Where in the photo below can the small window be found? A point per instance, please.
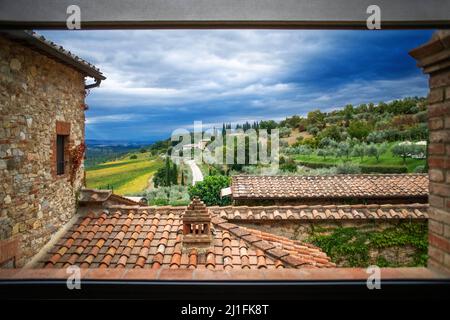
(60, 161)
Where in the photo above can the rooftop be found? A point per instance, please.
(150, 237)
(330, 187)
(122, 236)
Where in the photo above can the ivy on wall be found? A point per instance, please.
(350, 246)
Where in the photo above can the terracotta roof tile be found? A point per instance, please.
(329, 187)
(92, 196)
(150, 237)
(373, 211)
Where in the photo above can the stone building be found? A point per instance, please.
(42, 105)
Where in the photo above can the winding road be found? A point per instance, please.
(197, 174)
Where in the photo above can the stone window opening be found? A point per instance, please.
(60, 154)
(60, 149)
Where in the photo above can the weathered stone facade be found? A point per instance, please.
(39, 96)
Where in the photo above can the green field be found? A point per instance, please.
(125, 176)
(385, 159)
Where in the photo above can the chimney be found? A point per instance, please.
(197, 225)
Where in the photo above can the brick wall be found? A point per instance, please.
(434, 58)
(39, 97)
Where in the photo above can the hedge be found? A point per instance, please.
(315, 165)
(364, 168)
(383, 169)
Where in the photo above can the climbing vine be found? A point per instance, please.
(76, 157)
(350, 246)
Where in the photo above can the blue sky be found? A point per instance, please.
(161, 80)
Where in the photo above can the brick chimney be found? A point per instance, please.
(197, 225)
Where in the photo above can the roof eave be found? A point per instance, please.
(41, 45)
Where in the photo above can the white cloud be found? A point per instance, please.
(148, 68)
(158, 80)
(111, 118)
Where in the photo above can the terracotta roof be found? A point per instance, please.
(334, 186)
(50, 48)
(94, 196)
(149, 237)
(305, 212)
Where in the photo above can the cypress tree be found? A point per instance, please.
(175, 174)
(167, 169)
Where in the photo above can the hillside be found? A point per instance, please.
(383, 138)
(126, 175)
(388, 137)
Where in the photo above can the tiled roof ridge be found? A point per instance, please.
(125, 199)
(331, 211)
(309, 212)
(183, 208)
(333, 175)
(301, 206)
(93, 195)
(276, 248)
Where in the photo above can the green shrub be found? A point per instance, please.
(303, 150)
(288, 166)
(362, 168)
(174, 196)
(181, 202)
(208, 190)
(348, 168)
(359, 129)
(284, 132)
(310, 142)
(383, 169)
(133, 157)
(315, 165)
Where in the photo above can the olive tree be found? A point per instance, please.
(376, 150)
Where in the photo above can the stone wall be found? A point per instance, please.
(434, 58)
(36, 93)
(394, 255)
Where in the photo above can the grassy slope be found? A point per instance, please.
(125, 176)
(386, 159)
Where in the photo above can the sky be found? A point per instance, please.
(161, 80)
